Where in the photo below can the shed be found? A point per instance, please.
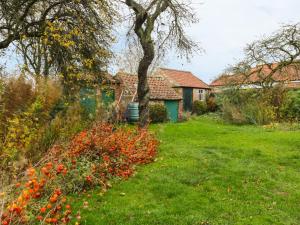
(161, 92)
(187, 85)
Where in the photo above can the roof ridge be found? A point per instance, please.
(163, 68)
(184, 71)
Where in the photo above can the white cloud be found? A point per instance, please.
(226, 26)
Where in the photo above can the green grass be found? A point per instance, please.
(208, 173)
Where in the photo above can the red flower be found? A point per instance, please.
(60, 168)
(106, 158)
(43, 210)
(58, 192)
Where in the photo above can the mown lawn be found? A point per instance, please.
(208, 173)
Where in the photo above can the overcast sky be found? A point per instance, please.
(226, 26)
(224, 29)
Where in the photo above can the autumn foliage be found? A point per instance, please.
(91, 159)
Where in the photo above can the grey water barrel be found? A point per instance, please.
(133, 112)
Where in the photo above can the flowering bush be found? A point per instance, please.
(92, 158)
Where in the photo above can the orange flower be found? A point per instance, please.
(45, 171)
(49, 165)
(53, 220)
(43, 210)
(60, 168)
(53, 199)
(68, 207)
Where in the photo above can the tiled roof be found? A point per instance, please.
(160, 88)
(180, 78)
(258, 74)
(225, 80)
(293, 85)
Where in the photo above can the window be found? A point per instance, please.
(201, 95)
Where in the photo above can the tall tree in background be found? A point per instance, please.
(59, 37)
(159, 24)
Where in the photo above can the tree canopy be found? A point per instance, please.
(58, 36)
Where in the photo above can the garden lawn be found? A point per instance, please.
(207, 173)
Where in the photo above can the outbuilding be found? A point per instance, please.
(187, 85)
(161, 92)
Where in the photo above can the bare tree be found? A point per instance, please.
(128, 60)
(272, 59)
(159, 23)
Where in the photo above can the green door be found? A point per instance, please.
(172, 108)
(108, 96)
(187, 99)
(88, 100)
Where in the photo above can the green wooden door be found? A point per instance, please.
(108, 97)
(187, 99)
(172, 108)
(88, 100)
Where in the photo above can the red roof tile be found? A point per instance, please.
(258, 74)
(293, 85)
(160, 88)
(182, 78)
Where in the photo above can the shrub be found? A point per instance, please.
(64, 126)
(33, 118)
(291, 108)
(91, 159)
(258, 113)
(231, 113)
(211, 103)
(17, 93)
(158, 113)
(26, 111)
(199, 107)
(249, 106)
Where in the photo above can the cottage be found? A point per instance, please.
(187, 85)
(259, 76)
(161, 92)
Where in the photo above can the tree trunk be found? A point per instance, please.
(143, 86)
